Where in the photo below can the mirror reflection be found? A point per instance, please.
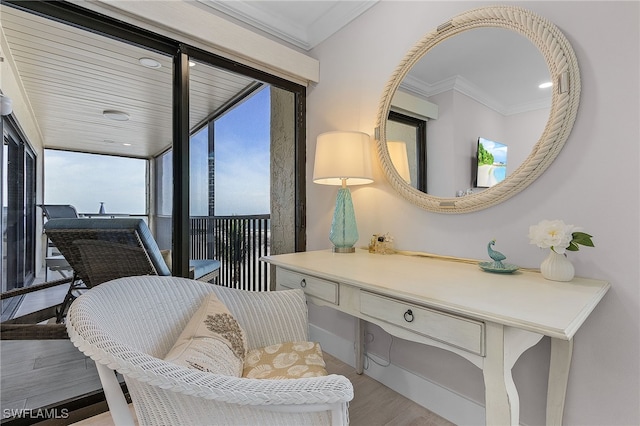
(407, 148)
(481, 83)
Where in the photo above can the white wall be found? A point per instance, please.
(452, 139)
(594, 183)
(522, 131)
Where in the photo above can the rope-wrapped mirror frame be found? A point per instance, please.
(563, 68)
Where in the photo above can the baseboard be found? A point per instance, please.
(442, 401)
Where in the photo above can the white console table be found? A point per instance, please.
(489, 319)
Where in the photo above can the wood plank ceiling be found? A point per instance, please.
(71, 76)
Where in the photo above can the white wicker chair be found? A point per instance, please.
(129, 324)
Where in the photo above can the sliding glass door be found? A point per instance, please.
(18, 210)
(242, 172)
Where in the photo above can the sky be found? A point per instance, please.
(85, 180)
(242, 162)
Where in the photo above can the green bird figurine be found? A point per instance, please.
(495, 255)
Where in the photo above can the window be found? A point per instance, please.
(199, 173)
(87, 180)
(412, 131)
(242, 158)
(164, 184)
(18, 164)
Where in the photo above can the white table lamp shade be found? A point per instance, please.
(343, 155)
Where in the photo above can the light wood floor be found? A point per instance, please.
(377, 405)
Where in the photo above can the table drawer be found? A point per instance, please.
(316, 287)
(457, 331)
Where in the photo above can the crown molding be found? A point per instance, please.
(464, 86)
(305, 36)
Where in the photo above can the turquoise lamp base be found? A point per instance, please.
(344, 232)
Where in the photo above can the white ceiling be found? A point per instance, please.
(71, 76)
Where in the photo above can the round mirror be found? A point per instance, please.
(489, 129)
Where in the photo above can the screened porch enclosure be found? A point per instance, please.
(229, 174)
(119, 100)
(229, 199)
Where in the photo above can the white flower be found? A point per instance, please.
(553, 234)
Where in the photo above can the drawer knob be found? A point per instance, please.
(303, 283)
(408, 316)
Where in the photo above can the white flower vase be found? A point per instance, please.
(557, 267)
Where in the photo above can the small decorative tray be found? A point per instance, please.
(491, 267)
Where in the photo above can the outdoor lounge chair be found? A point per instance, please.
(59, 211)
(101, 250)
(54, 261)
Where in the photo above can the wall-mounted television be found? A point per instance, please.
(491, 159)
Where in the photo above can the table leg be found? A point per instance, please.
(561, 351)
(360, 330)
(501, 396)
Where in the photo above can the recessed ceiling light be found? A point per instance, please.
(192, 64)
(150, 63)
(126, 144)
(115, 115)
(545, 85)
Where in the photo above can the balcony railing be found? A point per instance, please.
(237, 242)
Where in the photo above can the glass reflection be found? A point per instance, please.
(485, 83)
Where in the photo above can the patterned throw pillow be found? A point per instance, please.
(285, 361)
(212, 341)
